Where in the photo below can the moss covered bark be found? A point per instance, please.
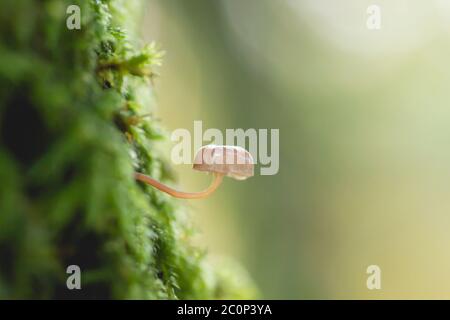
(71, 136)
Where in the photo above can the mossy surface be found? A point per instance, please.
(71, 136)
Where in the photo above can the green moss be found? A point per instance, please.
(71, 137)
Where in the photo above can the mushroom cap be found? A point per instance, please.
(232, 161)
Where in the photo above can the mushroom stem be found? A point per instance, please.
(179, 194)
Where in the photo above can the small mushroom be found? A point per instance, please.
(234, 162)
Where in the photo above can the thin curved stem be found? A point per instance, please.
(179, 194)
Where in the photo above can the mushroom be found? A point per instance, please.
(231, 161)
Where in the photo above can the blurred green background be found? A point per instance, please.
(364, 138)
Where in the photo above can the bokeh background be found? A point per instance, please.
(364, 123)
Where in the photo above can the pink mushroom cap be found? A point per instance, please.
(232, 161)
